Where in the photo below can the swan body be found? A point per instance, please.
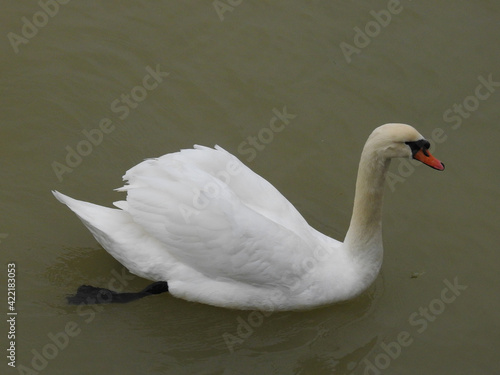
(220, 234)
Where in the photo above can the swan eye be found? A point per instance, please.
(425, 146)
(416, 146)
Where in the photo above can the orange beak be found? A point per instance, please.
(426, 158)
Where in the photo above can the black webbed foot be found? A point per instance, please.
(90, 295)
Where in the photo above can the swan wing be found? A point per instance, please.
(216, 216)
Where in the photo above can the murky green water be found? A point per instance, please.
(89, 89)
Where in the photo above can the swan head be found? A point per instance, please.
(402, 141)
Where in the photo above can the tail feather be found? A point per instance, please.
(107, 225)
(122, 238)
(97, 219)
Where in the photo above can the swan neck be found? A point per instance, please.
(365, 230)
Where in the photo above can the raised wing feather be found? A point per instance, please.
(217, 216)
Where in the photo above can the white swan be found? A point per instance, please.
(220, 234)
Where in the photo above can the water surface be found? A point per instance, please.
(219, 79)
